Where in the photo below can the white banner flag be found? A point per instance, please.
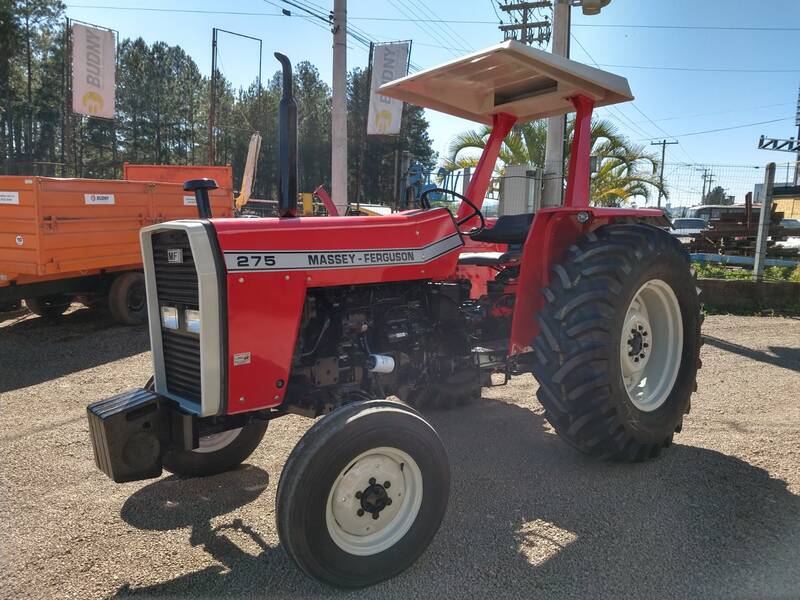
(93, 71)
(389, 62)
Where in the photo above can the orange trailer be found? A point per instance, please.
(62, 238)
(223, 175)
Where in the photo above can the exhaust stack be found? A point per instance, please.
(287, 144)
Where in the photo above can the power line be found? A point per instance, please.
(731, 127)
(424, 27)
(691, 27)
(494, 8)
(444, 27)
(460, 21)
(724, 112)
(700, 69)
(445, 46)
(640, 111)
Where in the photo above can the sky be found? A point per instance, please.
(685, 80)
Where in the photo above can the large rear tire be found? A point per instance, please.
(619, 343)
(363, 493)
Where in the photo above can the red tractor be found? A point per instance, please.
(252, 319)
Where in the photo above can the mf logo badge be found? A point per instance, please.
(175, 255)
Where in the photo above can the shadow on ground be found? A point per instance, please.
(35, 350)
(528, 517)
(781, 356)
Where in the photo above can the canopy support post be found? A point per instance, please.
(577, 194)
(479, 184)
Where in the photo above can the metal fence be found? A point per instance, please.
(690, 185)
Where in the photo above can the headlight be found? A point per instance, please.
(169, 317)
(192, 321)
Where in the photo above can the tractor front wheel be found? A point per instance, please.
(363, 493)
(619, 342)
(216, 453)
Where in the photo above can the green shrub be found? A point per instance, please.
(714, 271)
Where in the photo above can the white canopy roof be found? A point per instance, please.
(510, 78)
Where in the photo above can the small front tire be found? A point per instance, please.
(337, 517)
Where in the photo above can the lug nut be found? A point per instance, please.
(360, 512)
(372, 481)
(388, 502)
(375, 516)
(358, 495)
(387, 484)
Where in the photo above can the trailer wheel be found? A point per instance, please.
(363, 493)
(216, 453)
(619, 343)
(49, 307)
(127, 299)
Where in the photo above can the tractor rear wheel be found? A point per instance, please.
(619, 342)
(363, 493)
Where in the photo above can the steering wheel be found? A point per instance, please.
(425, 203)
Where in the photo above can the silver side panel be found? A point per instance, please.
(209, 295)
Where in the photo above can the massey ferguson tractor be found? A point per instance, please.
(363, 320)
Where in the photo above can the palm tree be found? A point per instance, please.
(625, 169)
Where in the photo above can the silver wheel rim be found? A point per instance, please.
(217, 441)
(651, 345)
(360, 492)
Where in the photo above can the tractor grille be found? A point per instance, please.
(176, 283)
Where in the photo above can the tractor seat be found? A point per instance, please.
(495, 260)
(508, 229)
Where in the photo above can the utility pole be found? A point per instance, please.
(764, 220)
(212, 104)
(556, 126)
(663, 144)
(797, 122)
(339, 107)
(707, 177)
(525, 24)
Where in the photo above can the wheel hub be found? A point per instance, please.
(374, 498)
(374, 501)
(651, 345)
(638, 344)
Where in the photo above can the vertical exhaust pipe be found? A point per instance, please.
(287, 144)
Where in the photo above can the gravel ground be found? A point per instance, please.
(717, 516)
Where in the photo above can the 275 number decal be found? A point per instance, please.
(253, 261)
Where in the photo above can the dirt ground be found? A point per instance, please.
(716, 516)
